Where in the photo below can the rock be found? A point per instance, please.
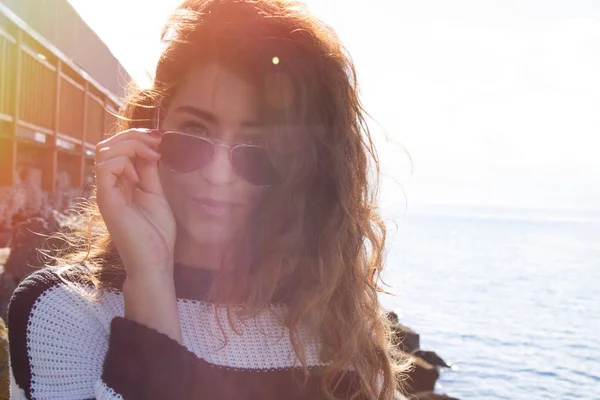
(431, 396)
(8, 284)
(4, 238)
(4, 365)
(23, 257)
(4, 253)
(421, 379)
(27, 238)
(404, 338)
(432, 358)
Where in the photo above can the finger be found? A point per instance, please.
(108, 176)
(145, 160)
(127, 187)
(150, 136)
(149, 176)
(130, 148)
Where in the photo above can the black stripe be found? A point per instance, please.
(143, 363)
(194, 283)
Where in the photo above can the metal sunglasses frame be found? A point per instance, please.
(216, 143)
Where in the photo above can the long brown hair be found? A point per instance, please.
(327, 238)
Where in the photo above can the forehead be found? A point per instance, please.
(216, 90)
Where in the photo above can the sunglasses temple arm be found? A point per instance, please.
(158, 116)
(158, 110)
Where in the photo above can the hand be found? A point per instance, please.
(133, 204)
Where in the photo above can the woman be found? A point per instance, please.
(232, 250)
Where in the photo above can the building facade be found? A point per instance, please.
(59, 95)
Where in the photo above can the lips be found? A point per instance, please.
(216, 208)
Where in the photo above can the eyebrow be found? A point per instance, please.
(212, 118)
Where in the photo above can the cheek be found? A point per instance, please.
(169, 184)
(252, 196)
(177, 186)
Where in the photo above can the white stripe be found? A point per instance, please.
(103, 392)
(78, 328)
(66, 345)
(261, 343)
(16, 393)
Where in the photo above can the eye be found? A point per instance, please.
(255, 140)
(195, 128)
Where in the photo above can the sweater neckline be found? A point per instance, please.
(194, 283)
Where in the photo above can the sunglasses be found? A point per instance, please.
(184, 152)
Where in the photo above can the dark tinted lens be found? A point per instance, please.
(255, 165)
(185, 153)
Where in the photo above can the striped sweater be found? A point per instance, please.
(66, 346)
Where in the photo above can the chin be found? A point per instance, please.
(209, 231)
(212, 237)
(206, 229)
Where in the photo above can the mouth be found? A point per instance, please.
(216, 208)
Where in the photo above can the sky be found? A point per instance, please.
(474, 102)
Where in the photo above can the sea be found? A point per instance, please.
(511, 298)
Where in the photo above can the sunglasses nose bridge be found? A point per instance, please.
(219, 169)
(221, 144)
(226, 151)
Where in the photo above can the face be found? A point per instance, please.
(213, 203)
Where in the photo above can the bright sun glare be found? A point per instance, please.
(496, 103)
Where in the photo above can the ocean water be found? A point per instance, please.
(512, 300)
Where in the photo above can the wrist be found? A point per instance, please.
(150, 275)
(151, 300)
(158, 285)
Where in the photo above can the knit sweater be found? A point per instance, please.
(64, 345)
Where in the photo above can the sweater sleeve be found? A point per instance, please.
(142, 363)
(62, 348)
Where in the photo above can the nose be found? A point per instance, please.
(219, 170)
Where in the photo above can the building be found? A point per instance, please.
(59, 95)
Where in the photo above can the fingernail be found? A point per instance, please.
(157, 133)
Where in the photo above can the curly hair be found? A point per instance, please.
(318, 231)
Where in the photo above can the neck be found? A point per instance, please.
(211, 255)
(198, 255)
